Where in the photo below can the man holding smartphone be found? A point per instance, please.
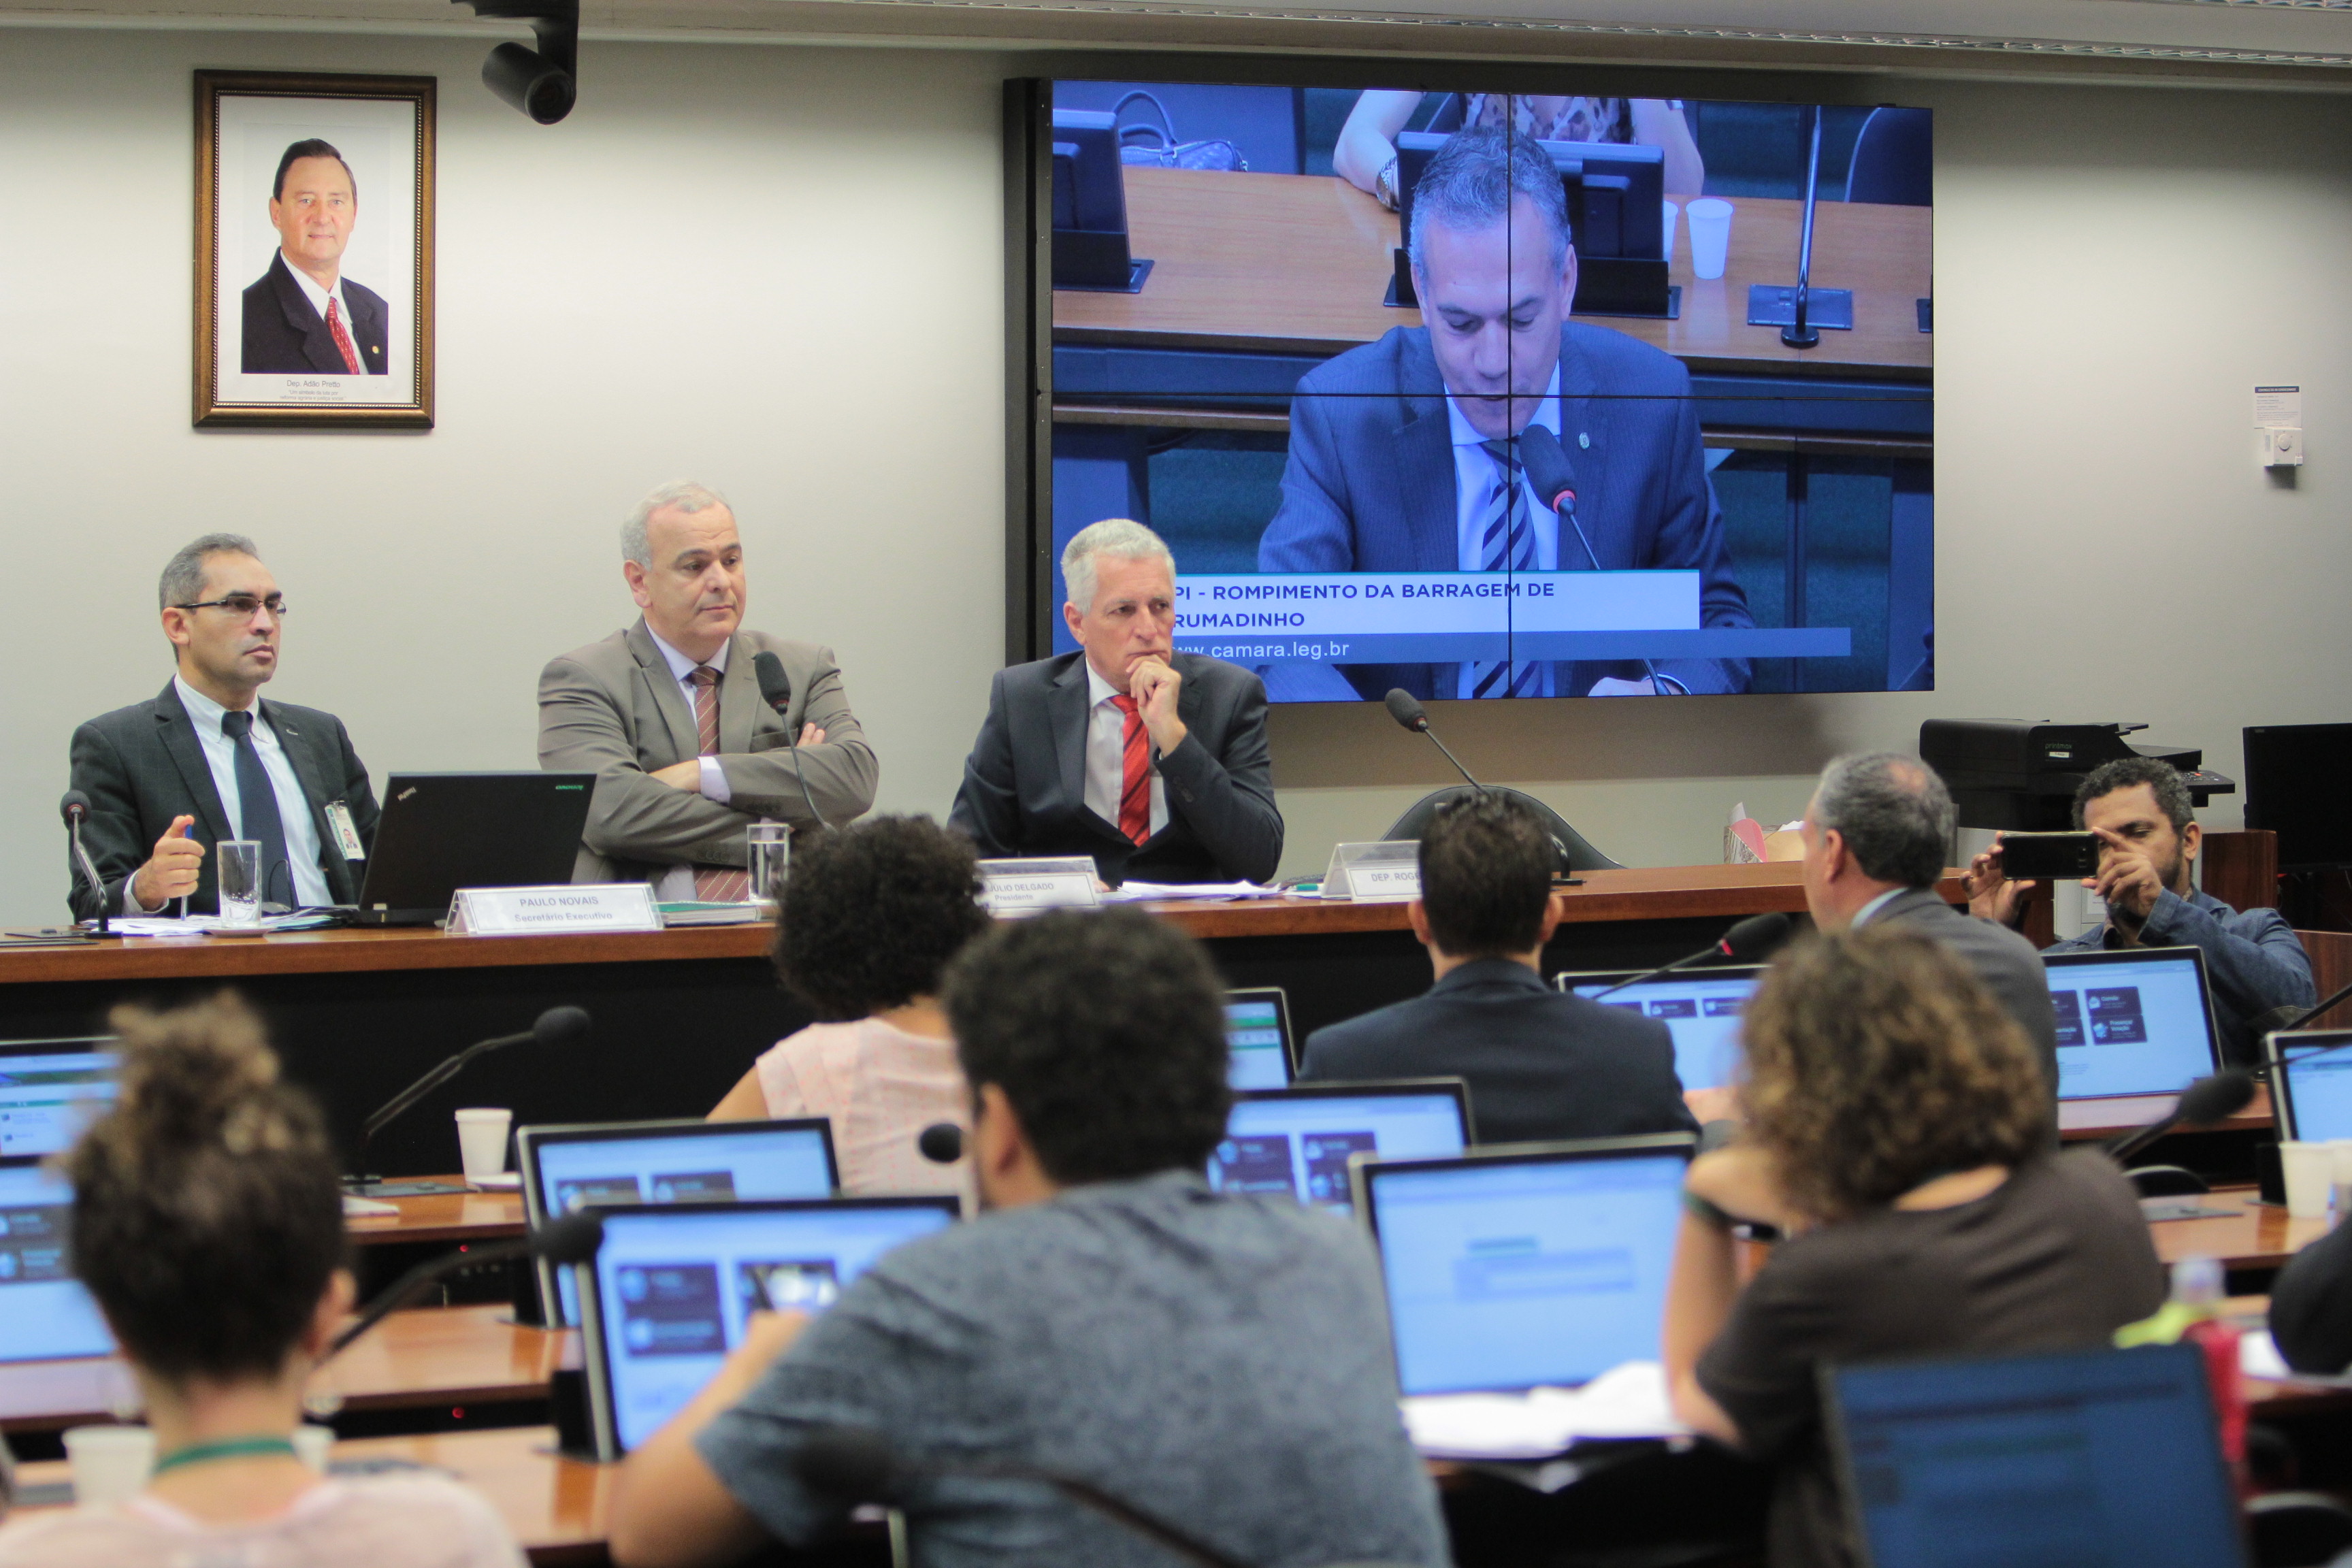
(2139, 810)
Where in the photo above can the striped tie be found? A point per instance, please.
(714, 884)
(1507, 545)
(1135, 775)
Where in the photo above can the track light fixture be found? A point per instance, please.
(542, 82)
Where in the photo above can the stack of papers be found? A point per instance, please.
(197, 925)
(1625, 1402)
(1138, 893)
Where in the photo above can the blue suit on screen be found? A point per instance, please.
(1369, 486)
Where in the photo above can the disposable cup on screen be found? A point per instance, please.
(1710, 235)
(1667, 213)
(2310, 1172)
(311, 1442)
(482, 1142)
(110, 1464)
(238, 873)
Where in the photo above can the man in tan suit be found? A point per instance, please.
(669, 716)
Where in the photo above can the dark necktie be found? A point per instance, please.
(256, 800)
(1507, 545)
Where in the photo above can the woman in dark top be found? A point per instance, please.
(2311, 1305)
(1897, 1131)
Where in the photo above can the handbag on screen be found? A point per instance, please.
(1162, 151)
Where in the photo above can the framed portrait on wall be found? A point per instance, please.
(314, 250)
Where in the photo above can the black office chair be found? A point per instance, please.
(2167, 1182)
(1892, 160)
(1576, 854)
(2298, 1530)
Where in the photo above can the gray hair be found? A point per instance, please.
(684, 495)
(1471, 183)
(1122, 539)
(1893, 813)
(183, 575)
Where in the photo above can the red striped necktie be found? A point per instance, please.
(342, 339)
(1135, 775)
(714, 884)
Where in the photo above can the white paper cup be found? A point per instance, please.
(110, 1464)
(482, 1141)
(2310, 1172)
(1710, 235)
(1669, 213)
(311, 1442)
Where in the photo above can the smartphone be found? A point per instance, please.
(2036, 857)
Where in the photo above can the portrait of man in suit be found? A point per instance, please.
(303, 317)
(1404, 453)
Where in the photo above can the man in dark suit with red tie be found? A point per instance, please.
(1151, 760)
(304, 317)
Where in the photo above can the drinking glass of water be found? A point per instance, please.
(239, 871)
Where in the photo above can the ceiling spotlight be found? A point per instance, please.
(542, 82)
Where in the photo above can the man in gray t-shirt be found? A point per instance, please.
(1220, 1361)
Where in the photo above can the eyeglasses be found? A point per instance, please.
(242, 606)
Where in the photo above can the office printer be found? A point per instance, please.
(2021, 775)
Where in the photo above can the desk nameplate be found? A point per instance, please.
(1013, 887)
(535, 911)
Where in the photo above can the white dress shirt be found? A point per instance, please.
(1477, 490)
(675, 886)
(293, 806)
(1106, 757)
(318, 298)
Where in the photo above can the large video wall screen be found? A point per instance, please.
(1501, 395)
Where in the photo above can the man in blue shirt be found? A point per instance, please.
(1218, 1361)
(2149, 839)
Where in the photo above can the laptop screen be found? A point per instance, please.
(1299, 1141)
(1257, 1027)
(2098, 1456)
(674, 1286)
(45, 1313)
(1701, 1009)
(2130, 1023)
(1537, 1268)
(49, 1090)
(570, 1168)
(2314, 1084)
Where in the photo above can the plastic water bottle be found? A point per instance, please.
(2197, 1286)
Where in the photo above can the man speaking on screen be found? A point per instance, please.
(1402, 456)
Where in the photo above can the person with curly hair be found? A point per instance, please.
(208, 1227)
(872, 913)
(1897, 1134)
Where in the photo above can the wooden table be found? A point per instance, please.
(464, 1216)
(1299, 264)
(2250, 1236)
(2080, 1121)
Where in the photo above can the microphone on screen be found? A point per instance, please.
(941, 1142)
(556, 1026)
(2202, 1103)
(1751, 940)
(75, 809)
(776, 691)
(1553, 478)
(570, 1239)
(853, 1465)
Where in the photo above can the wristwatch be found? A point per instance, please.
(1384, 189)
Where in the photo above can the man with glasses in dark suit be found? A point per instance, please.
(206, 759)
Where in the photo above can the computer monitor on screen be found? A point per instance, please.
(2131, 1022)
(2295, 787)
(1700, 1007)
(2090, 1455)
(1532, 1265)
(1299, 1141)
(1090, 184)
(45, 1313)
(671, 1287)
(2311, 1084)
(49, 1090)
(607, 1165)
(1257, 1028)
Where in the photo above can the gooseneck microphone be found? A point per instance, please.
(2286, 1020)
(776, 691)
(2202, 1103)
(1749, 940)
(1553, 478)
(556, 1026)
(1406, 709)
(941, 1142)
(856, 1464)
(75, 807)
(570, 1239)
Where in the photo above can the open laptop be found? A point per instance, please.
(1526, 1266)
(2093, 1456)
(670, 1287)
(1257, 1027)
(442, 832)
(2311, 1084)
(2137, 1020)
(605, 1165)
(45, 1313)
(51, 1089)
(1700, 1007)
(1299, 1141)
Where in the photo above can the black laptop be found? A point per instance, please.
(442, 832)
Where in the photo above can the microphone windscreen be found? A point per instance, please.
(1756, 936)
(1405, 709)
(847, 1464)
(560, 1025)
(75, 804)
(775, 686)
(2216, 1098)
(572, 1238)
(941, 1142)
(1547, 465)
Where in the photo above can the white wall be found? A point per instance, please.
(778, 268)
